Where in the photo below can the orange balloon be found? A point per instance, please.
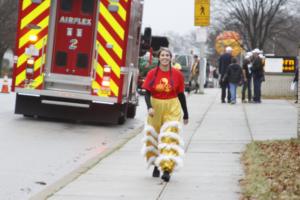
(228, 38)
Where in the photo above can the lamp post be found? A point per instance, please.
(202, 67)
(202, 37)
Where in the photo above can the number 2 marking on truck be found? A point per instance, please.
(73, 44)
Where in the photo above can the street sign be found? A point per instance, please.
(202, 12)
(284, 64)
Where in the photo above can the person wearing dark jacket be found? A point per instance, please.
(224, 62)
(296, 82)
(247, 78)
(258, 75)
(234, 76)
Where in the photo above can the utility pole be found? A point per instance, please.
(202, 67)
(201, 40)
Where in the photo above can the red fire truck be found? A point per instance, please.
(78, 59)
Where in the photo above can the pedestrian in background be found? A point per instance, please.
(195, 70)
(247, 77)
(215, 77)
(207, 73)
(234, 76)
(258, 75)
(224, 62)
(165, 98)
(295, 82)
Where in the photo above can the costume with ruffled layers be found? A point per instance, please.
(163, 146)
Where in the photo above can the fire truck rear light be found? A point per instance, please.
(113, 8)
(30, 61)
(106, 78)
(109, 46)
(33, 38)
(105, 83)
(29, 70)
(95, 90)
(107, 69)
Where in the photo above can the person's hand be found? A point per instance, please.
(185, 121)
(151, 112)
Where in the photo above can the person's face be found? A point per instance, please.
(164, 58)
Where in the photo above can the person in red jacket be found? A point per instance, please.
(165, 98)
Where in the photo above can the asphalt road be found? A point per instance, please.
(35, 153)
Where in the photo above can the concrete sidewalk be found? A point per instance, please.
(215, 137)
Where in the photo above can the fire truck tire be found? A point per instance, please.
(122, 120)
(27, 116)
(131, 111)
(123, 116)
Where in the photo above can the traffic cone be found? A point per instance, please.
(5, 88)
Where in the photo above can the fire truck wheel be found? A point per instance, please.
(131, 111)
(27, 116)
(122, 120)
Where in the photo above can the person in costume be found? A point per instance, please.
(165, 98)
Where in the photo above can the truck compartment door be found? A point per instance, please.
(74, 37)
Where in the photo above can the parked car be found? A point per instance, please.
(186, 62)
(144, 68)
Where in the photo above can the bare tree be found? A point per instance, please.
(183, 44)
(260, 20)
(271, 25)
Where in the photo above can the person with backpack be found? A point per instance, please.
(215, 78)
(234, 77)
(247, 78)
(295, 81)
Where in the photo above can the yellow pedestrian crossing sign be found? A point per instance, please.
(202, 12)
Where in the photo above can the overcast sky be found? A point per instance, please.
(169, 15)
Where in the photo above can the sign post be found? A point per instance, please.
(202, 68)
(202, 19)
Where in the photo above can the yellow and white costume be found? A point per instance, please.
(163, 146)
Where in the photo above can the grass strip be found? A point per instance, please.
(272, 170)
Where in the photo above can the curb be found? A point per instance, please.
(83, 168)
